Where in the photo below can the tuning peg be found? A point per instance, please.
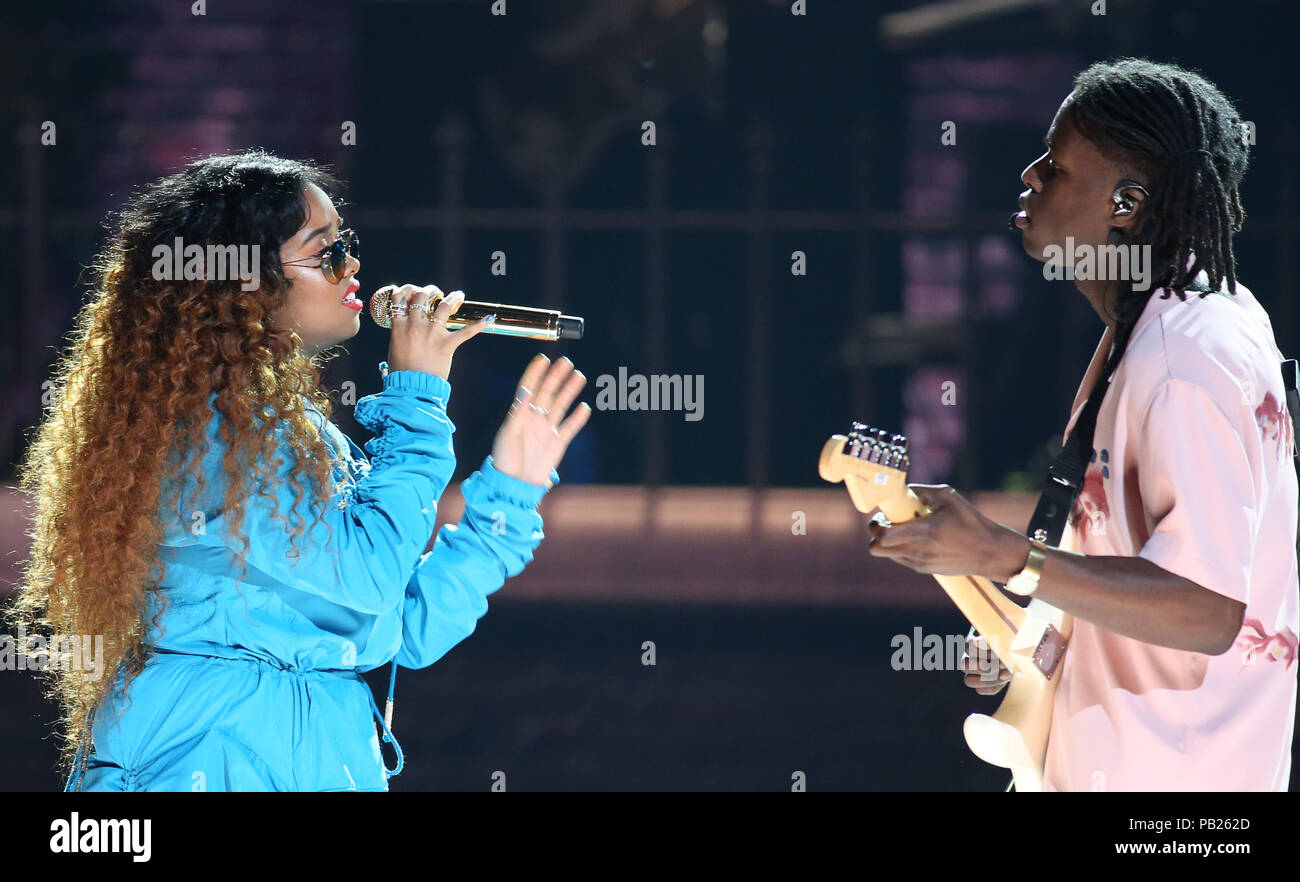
(879, 445)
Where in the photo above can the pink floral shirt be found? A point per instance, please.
(1194, 472)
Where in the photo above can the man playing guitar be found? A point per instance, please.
(1179, 562)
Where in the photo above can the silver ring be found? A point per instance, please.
(543, 411)
(423, 307)
(398, 309)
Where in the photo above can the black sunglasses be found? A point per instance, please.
(334, 259)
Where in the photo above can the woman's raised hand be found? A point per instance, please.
(532, 439)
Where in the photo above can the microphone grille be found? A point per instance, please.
(379, 302)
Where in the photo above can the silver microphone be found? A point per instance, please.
(511, 321)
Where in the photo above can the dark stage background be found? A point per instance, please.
(775, 133)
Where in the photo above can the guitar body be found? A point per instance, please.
(1015, 736)
(1030, 641)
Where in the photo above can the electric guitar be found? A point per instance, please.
(1030, 641)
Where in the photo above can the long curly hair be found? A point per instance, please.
(132, 391)
(1152, 121)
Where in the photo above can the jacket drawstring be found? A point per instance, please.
(386, 720)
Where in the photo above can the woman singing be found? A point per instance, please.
(188, 422)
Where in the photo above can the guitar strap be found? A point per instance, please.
(1290, 380)
(1065, 474)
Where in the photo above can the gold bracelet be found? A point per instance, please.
(1025, 582)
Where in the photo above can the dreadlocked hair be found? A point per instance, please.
(133, 395)
(1151, 120)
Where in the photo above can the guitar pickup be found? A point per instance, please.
(1049, 652)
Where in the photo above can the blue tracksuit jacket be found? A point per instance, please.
(256, 685)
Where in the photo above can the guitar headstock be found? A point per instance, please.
(871, 462)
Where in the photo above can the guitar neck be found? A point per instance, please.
(993, 614)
